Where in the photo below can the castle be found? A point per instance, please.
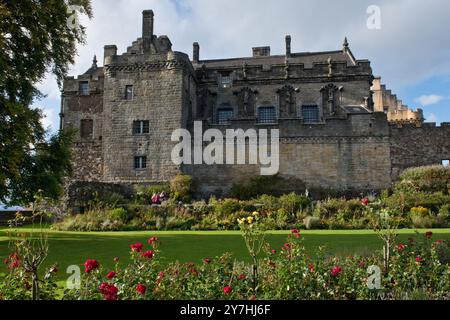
(340, 128)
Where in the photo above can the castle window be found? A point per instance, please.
(141, 127)
(140, 162)
(86, 128)
(310, 114)
(225, 80)
(267, 115)
(446, 163)
(224, 115)
(129, 93)
(84, 88)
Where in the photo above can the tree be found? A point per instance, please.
(35, 37)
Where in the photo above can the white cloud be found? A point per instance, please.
(411, 46)
(428, 100)
(51, 118)
(49, 87)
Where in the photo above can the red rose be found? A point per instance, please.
(311, 267)
(294, 231)
(111, 275)
(365, 202)
(207, 260)
(152, 239)
(12, 261)
(141, 289)
(336, 271)
(137, 247)
(227, 289)
(242, 277)
(90, 265)
(429, 234)
(109, 291)
(148, 254)
(193, 272)
(116, 259)
(274, 251)
(400, 247)
(419, 259)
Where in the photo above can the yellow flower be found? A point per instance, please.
(255, 214)
(240, 221)
(250, 220)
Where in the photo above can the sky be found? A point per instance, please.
(407, 41)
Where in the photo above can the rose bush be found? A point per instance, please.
(418, 269)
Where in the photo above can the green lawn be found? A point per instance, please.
(69, 248)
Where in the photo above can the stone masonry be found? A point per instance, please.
(339, 127)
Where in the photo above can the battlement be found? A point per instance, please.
(425, 125)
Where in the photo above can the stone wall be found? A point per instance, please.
(339, 155)
(79, 194)
(418, 145)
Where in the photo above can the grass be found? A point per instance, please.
(73, 248)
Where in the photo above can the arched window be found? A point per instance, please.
(224, 115)
(267, 114)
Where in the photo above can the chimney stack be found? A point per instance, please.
(147, 24)
(110, 51)
(288, 46)
(196, 53)
(147, 28)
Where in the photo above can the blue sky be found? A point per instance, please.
(433, 94)
(411, 51)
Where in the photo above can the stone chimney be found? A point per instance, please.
(196, 52)
(288, 46)
(147, 28)
(109, 52)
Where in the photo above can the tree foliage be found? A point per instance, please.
(35, 38)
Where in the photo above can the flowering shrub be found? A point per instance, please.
(418, 269)
(254, 235)
(18, 283)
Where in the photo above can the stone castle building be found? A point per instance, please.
(339, 127)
